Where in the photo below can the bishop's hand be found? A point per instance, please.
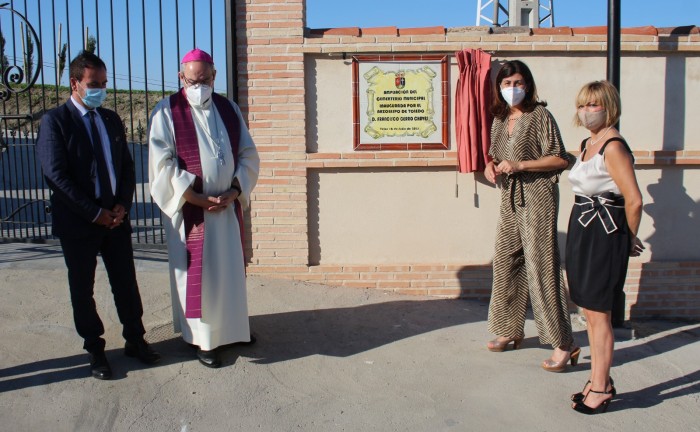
(224, 200)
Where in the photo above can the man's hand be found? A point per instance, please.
(120, 211)
(209, 203)
(110, 219)
(224, 200)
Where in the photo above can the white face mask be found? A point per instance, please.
(199, 94)
(593, 120)
(93, 96)
(513, 95)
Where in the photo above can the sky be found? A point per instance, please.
(459, 13)
(138, 24)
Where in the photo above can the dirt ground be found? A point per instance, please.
(327, 359)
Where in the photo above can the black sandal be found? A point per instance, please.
(585, 409)
(578, 397)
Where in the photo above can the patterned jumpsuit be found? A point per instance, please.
(527, 262)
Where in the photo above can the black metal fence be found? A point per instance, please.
(141, 42)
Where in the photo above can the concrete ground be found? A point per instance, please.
(327, 359)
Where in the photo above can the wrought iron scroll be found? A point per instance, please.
(13, 76)
(11, 83)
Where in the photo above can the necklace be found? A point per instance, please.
(514, 118)
(592, 143)
(216, 142)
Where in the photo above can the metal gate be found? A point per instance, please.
(140, 41)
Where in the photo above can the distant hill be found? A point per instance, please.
(134, 107)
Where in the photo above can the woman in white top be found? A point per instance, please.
(602, 232)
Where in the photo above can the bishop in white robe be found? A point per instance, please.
(220, 316)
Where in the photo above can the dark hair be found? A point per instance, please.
(499, 107)
(84, 60)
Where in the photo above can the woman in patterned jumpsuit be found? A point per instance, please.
(528, 156)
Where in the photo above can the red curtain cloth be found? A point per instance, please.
(472, 109)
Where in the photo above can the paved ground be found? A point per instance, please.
(327, 359)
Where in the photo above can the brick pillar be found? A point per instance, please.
(270, 35)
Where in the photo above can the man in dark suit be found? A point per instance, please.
(87, 165)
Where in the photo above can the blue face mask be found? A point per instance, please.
(94, 97)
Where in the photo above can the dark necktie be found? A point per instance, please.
(106, 194)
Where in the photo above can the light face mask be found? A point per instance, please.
(592, 120)
(93, 96)
(198, 94)
(513, 95)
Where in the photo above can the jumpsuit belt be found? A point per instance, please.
(512, 182)
(598, 206)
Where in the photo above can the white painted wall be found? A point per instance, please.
(411, 215)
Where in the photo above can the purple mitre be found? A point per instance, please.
(197, 55)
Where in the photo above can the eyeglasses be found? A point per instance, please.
(192, 83)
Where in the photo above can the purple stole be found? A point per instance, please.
(187, 148)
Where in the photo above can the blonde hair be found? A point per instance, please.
(604, 94)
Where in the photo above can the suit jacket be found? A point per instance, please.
(68, 161)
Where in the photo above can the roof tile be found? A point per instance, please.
(385, 31)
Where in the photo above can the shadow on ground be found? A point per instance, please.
(342, 332)
(337, 332)
(75, 367)
(654, 395)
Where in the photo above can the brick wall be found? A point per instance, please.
(272, 43)
(271, 81)
(663, 289)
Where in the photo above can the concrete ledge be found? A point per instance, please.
(437, 30)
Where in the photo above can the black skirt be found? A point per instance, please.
(597, 254)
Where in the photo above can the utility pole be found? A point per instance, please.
(613, 76)
(527, 13)
(232, 54)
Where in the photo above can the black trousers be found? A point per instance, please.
(118, 257)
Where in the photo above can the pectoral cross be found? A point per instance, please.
(220, 156)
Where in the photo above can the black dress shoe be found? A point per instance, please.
(142, 351)
(209, 358)
(99, 366)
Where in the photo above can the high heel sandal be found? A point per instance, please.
(500, 345)
(551, 366)
(579, 397)
(585, 409)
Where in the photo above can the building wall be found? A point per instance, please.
(658, 113)
(404, 220)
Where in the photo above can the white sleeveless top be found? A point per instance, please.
(591, 177)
